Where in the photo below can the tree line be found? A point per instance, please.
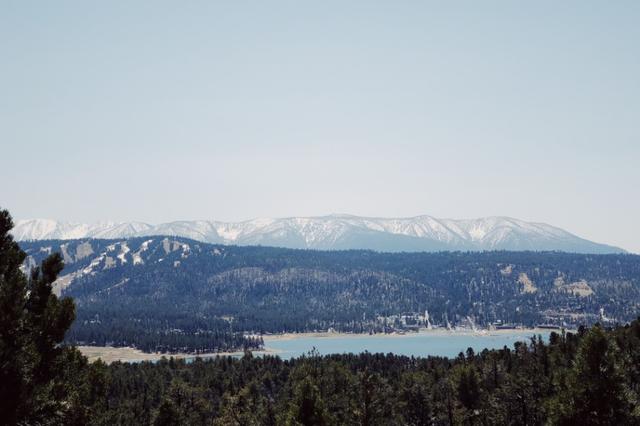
(588, 378)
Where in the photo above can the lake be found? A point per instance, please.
(425, 343)
(435, 343)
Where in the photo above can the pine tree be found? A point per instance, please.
(415, 400)
(468, 387)
(596, 393)
(307, 407)
(33, 322)
(167, 415)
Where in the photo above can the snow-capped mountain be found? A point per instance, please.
(421, 233)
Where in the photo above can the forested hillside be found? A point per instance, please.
(588, 378)
(170, 294)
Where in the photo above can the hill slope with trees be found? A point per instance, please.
(174, 294)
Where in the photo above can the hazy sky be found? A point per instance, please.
(160, 111)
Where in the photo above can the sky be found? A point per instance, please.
(160, 111)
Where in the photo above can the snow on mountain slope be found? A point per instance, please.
(46, 229)
(421, 233)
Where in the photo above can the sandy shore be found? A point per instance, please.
(110, 354)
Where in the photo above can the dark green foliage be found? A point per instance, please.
(468, 387)
(415, 399)
(577, 379)
(167, 415)
(34, 367)
(306, 407)
(594, 391)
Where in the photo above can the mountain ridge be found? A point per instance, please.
(338, 231)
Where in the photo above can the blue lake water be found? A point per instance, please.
(413, 344)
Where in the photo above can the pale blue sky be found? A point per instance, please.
(159, 111)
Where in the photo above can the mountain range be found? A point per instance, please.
(337, 232)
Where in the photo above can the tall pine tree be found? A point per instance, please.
(33, 322)
(595, 393)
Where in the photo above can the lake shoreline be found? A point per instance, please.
(110, 354)
(421, 332)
